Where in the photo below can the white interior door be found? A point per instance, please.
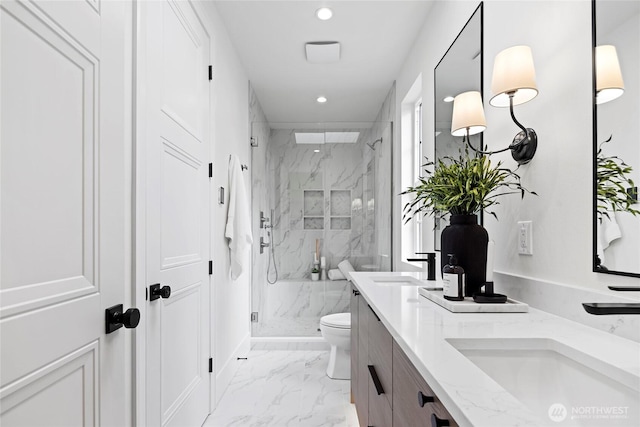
(177, 206)
(65, 188)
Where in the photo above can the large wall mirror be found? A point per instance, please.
(459, 70)
(616, 134)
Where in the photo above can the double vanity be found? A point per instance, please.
(415, 363)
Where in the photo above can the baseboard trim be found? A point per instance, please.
(289, 343)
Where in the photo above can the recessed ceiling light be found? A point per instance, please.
(321, 99)
(448, 99)
(316, 151)
(324, 13)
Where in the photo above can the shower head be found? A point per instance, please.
(372, 145)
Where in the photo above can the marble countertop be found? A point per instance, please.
(422, 328)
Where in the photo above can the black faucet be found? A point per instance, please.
(431, 263)
(600, 308)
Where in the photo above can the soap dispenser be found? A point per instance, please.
(453, 280)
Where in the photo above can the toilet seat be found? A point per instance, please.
(338, 320)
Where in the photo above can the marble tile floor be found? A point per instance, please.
(285, 388)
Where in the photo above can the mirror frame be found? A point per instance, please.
(595, 151)
(479, 8)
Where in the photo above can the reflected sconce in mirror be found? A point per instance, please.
(514, 83)
(609, 84)
(468, 116)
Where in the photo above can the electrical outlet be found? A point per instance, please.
(525, 237)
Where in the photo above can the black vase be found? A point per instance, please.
(468, 240)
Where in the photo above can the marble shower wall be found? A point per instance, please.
(316, 196)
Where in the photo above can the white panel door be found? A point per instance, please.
(176, 88)
(64, 161)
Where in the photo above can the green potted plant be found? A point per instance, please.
(612, 185)
(463, 186)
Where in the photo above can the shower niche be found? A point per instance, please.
(340, 209)
(313, 209)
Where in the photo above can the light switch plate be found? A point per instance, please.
(525, 237)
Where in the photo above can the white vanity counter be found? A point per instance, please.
(428, 333)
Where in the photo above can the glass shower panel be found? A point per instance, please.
(326, 187)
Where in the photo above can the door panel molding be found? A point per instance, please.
(80, 363)
(181, 185)
(48, 214)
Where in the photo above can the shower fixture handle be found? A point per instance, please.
(263, 244)
(263, 219)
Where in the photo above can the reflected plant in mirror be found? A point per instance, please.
(616, 149)
(459, 70)
(613, 184)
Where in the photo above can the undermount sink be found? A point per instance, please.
(542, 373)
(399, 281)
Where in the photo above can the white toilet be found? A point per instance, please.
(336, 329)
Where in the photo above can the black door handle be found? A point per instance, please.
(424, 399)
(116, 318)
(376, 380)
(155, 292)
(438, 422)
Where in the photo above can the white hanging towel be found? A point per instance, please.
(608, 231)
(238, 231)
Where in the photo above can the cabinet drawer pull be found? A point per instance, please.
(374, 313)
(376, 380)
(423, 399)
(438, 422)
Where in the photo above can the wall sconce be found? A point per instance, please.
(468, 116)
(609, 84)
(514, 83)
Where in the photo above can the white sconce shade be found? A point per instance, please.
(468, 113)
(609, 84)
(513, 73)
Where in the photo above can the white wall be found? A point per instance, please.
(559, 34)
(230, 135)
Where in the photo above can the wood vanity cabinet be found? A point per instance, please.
(414, 403)
(385, 385)
(380, 370)
(353, 307)
(371, 365)
(359, 355)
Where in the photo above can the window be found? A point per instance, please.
(419, 160)
(412, 159)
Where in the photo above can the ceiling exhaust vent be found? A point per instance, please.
(322, 52)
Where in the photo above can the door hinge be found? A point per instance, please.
(210, 72)
(210, 364)
(254, 316)
(210, 170)
(210, 268)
